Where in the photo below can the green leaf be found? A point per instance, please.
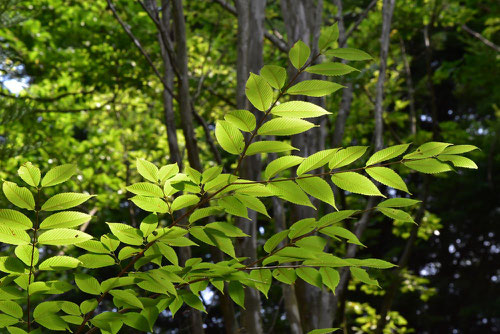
(458, 161)
(137, 321)
(316, 160)
(285, 275)
(64, 201)
(328, 36)
(127, 297)
(337, 231)
(284, 126)
(148, 170)
(58, 174)
(65, 219)
(388, 177)
(289, 191)
(229, 137)
(459, 149)
(59, 263)
(30, 174)
(233, 206)
(428, 166)
(63, 236)
(427, 150)
(145, 189)
(371, 263)
(193, 301)
(269, 146)
(335, 217)
(312, 242)
(301, 227)
(280, 164)
(93, 246)
(396, 214)
(346, 156)
(149, 224)
(116, 282)
(11, 308)
(242, 119)
(88, 284)
(150, 204)
(299, 54)
(88, 305)
(330, 277)
(11, 265)
(323, 331)
(258, 92)
(355, 183)
(387, 154)
(93, 261)
(348, 54)
(13, 236)
(204, 212)
(168, 171)
(331, 69)
(363, 276)
(14, 219)
(319, 188)
(310, 275)
(253, 203)
(274, 75)
(397, 203)
(263, 278)
(316, 88)
(227, 229)
(193, 174)
(19, 196)
(184, 201)
(237, 293)
(15, 330)
(53, 322)
(275, 240)
(210, 174)
(27, 252)
(126, 234)
(298, 109)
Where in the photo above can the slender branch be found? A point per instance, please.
(44, 98)
(360, 19)
(480, 37)
(35, 230)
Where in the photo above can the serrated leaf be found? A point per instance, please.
(168, 171)
(330, 277)
(397, 202)
(323, 331)
(150, 204)
(65, 219)
(233, 206)
(237, 293)
(428, 166)
(298, 109)
(59, 263)
(363, 276)
(387, 154)
(285, 275)
(318, 188)
(284, 126)
(346, 156)
(301, 227)
(11, 265)
(13, 236)
(227, 229)
(337, 231)
(242, 119)
(63, 236)
(26, 253)
(269, 146)
(312, 242)
(258, 92)
(64, 201)
(355, 183)
(14, 219)
(204, 212)
(145, 189)
(328, 36)
(229, 137)
(310, 275)
(289, 191)
(147, 170)
(427, 150)
(331, 69)
(253, 203)
(275, 240)
(16, 330)
(335, 217)
(184, 201)
(126, 234)
(88, 284)
(274, 75)
(316, 160)
(348, 54)
(387, 177)
(263, 278)
(93, 261)
(371, 263)
(30, 174)
(52, 322)
(299, 54)
(396, 214)
(19, 196)
(128, 297)
(210, 174)
(93, 246)
(280, 164)
(194, 301)
(459, 149)
(193, 175)
(58, 174)
(149, 224)
(11, 308)
(458, 161)
(316, 88)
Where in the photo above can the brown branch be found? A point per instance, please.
(356, 24)
(480, 37)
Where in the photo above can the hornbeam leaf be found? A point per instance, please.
(459, 149)
(299, 53)
(328, 36)
(58, 174)
(337, 231)
(258, 92)
(11, 265)
(298, 109)
(210, 174)
(150, 204)
(145, 189)
(285, 275)
(263, 278)
(397, 202)
(319, 188)
(13, 236)
(63, 236)
(284, 126)
(348, 54)
(64, 201)
(11, 308)
(330, 277)
(26, 253)
(388, 177)
(301, 227)
(19, 196)
(331, 69)
(93, 246)
(127, 297)
(168, 171)
(253, 203)
(30, 174)
(290, 191)
(65, 219)
(371, 263)
(147, 170)
(14, 219)
(274, 75)
(233, 206)
(396, 214)
(316, 160)
(363, 276)
(428, 166)
(323, 331)
(126, 234)
(184, 201)
(269, 146)
(427, 150)
(458, 161)
(242, 119)
(346, 156)
(310, 275)
(355, 183)
(280, 164)
(335, 217)
(387, 154)
(316, 88)
(149, 224)
(229, 137)
(237, 293)
(204, 212)
(275, 240)
(94, 261)
(59, 263)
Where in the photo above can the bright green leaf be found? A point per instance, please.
(387, 177)
(387, 154)
(30, 174)
(355, 183)
(59, 263)
(316, 88)
(269, 146)
(64, 201)
(298, 109)
(258, 92)
(298, 54)
(14, 219)
(284, 126)
(58, 174)
(65, 219)
(229, 137)
(331, 69)
(63, 236)
(19, 196)
(274, 75)
(348, 54)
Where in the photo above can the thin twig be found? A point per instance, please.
(480, 37)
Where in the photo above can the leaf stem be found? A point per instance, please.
(34, 240)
